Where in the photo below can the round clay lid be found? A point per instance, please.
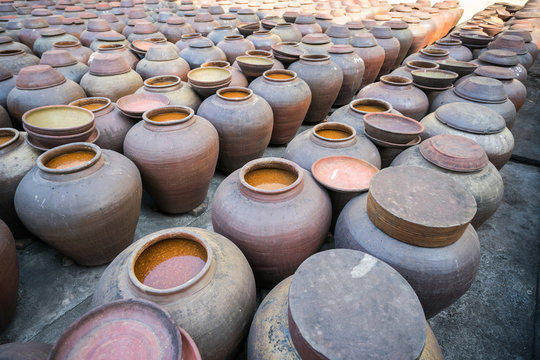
(324, 16)
(500, 57)
(72, 21)
(338, 31)
(455, 153)
(509, 42)
(344, 304)
(110, 18)
(57, 58)
(175, 20)
(204, 17)
(36, 77)
(354, 25)
(411, 20)
(4, 39)
(110, 36)
(482, 89)
(201, 43)
(341, 49)
(123, 329)
(98, 25)
(304, 18)
(495, 72)
(161, 52)
(382, 32)
(108, 65)
(471, 118)
(434, 212)
(363, 40)
(397, 25)
(144, 27)
(343, 173)
(524, 34)
(316, 39)
(52, 32)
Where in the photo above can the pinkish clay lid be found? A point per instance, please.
(316, 39)
(108, 65)
(455, 153)
(36, 77)
(57, 58)
(343, 173)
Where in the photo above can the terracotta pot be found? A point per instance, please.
(373, 55)
(476, 122)
(306, 24)
(352, 66)
(316, 44)
(455, 49)
(503, 58)
(238, 78)
(414, 65)
(204, 23)
(178, 92)
(287, 224)
(385, 38)
(7, 83)
(108, 38)
(175, 27)
(398, 91)
(217, 323)
(419, 34)
(220, 32)
(41, 85)
(263, 40)
(234, 46)
(110, 76)
(201, 51)
(186, 39)
(9, 276)
(114, 22)
(7, 43)
(454, 265)
(25, 351)
(47, 39)
(112, 124)
(162, 60)
(324, 79)
(106, 190)
(74, 26)
(117, 49)
(480, 90)
(288, 96)
(65, 63)
(144, 30)
(287, 32)
(176, 157)
(400, 30)
(94, 27)
(32, 30)
(15, 60)
(81, 53)
(249, 115)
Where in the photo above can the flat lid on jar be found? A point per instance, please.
(344, 304)
(500, 57)
(161, 52)
(323, 16)
(4, 39)
(340, 49)
(509, 42)
(354, 25)
(524, 34)
(201, 43)
(124, 329)
(304, 18)
(397, 25)
(482, 89)
(338, 31)
(432, 212)
(36, 77)
(495, 72)
(455, 153)
(57, 58)
(382, 32)
(98, 25)
(343, 173)
(175, 20)
(110, 36)
(52, 32)
(108, 65)
(363, 40)
(316, 39)
(471, 118)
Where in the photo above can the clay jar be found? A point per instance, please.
(9, 276)
(176, 152)
(65, 63)
(430, 54)
(419, 34)
(220, 32)
(400, 30)
(398, 91)
(7, 43)
(480, 90)
(324, 79)
(74, 26)
(117, 49)
(385, 38)
(177, 91)
(204, 23)
(244, 123)
(17, 157)
(108, 38)
(186, 39)
(215, 306)
(281, 216)
(367, 48)
(455, 49)
(515, 44)
(234, 46)
(479, 176)
(32, 30)
(94, 27)
(41, 85)
(81, 53)
(316, 44)
(263, 40)
(110, 76)
(112, 124)
(89, 201)
(476, 122)
(162, 59)
(414, 65)
(352, 66)
(175, 27)
(7, 82)
(288, 96)
(505, 58)
(287, 32)
(48, 38)
(201, 51)
(144, 30)
(330, 139)
(15, 60)
(306, 24)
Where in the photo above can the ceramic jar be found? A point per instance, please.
(306, 24)
(367, 48)
(201, 51)
(505, 58)
(7, 43)
(220, 32)
(40, 85)
(339, 34)
(276, 228)
(175, 27)
(430, 54)
(235, 111)
(103, 186)
(176, 157)
(400, 30)
(81, 53)
(419, 34)
(178, 92)
(162, 60)
(144, 30)
(287, 32)
(234, 46)
(7, 83)
(108, 38)
(455, 49)
(9, 276)
(17, 157)
(263, 39)
(352, 66)
(476, 122)
(441, 273)
(353, 113)
(110, 76)
(15, 60)
(93, 28)
(65, 63)
(515, 44)
(385, 38)
(316, 44)
(321, 141)
(324, 79)
(112, 124)
(525, 34)
(288, 96)
(227, 19)
(204, 23)
(32, 30)
(238, 78)
(398, 91)
(117, 49)
(215, 307)
(74, 26)
(466, 162)
(186, 39)
(48, 38)
(480, 90)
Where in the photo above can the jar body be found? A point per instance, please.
(235, 47)
(373, 59)
(148, 69)
(112, 87)
(46, 43)
(391, 52)
(73, 72)
(14, 63)
(353, 69)
(9, 276)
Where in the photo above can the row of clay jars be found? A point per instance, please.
(106, 192)
(215, 307)
(9, 276)
(503, 58)
(65, 63)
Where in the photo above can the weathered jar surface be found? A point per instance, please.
(367, 48)
(9, 276)
(162, 60)
(177, 91)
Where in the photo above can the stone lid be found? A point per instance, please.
(500, 57)
(57, 58)
(110, 36)
(482, 89)
(363, 40)
(316, 39)
(98, 25)
(36, 77)
(161, 52)
(108, 65)
(471, 118)
(382, 32)
(338, 31)
(455, 153)
(495, 72)
(341, 49)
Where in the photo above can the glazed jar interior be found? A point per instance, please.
(271, 176)
(279, 75)
(93, 104)
(334, 132)
(164, 81)
(70, 157)
(234, 94)
(7, 136)
(370, 105)
(168, 114)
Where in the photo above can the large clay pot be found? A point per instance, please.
(7, 83)
(515, 44)
(94, 27)
(400, 30)
(204, 23)
(306, 24)
(398, 91)
(505, 58)
(419, 34)
(186, 39)
(479, 90)
(476, 122)
(110, 76)
(385, 38)
(24, 351)
(316, 44)
(215, 306)
(75, 48)
(276, 227)
(32, 30)
(175, 27)
(439, 275)
(15, 60)
(414, 65)
(81, 200)
(367, 48)
(7, 43)
(466, 162)
(65, 63)
(117, 49)
(9, 276)
(525, 34)
(324, 79)
(112, 124)
(330, 139)
(178, 92)
(234, 46)
(177, 156)
(48, 38)
(108, 38)
(41, 85)
(162, 59)
(288, 96)
(455, 49)
(287, 32)
(235, 111)
(201, 51)
(263, 40)
(353, 68)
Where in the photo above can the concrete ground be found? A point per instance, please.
(495, 319)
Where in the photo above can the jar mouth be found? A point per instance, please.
(314, 57)
(58, 160)
(162, 81)
(233, 37)
(226, 27)
(449, 42)
(11, 52)
(149, 250)
(93, 104)
(234, 93)
(280, 75)
(262, 53)
(109, 47)
(435, 52)
(370, 105)
(8, 136)
(422, 64)
(396, 80)
(168, 115)
(333, 132)
(191, 36)
(217, 63)
(65, 44)
(261, 32)
(270, 175)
